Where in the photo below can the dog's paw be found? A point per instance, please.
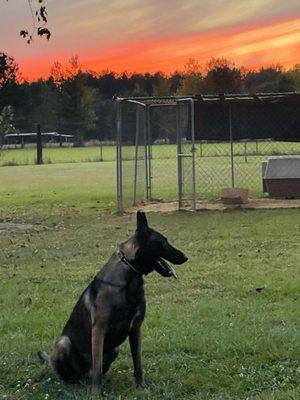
(142, 385)
(43, 357)
(97, 393)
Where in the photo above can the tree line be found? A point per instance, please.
(73, 101)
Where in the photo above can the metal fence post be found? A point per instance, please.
(119, 156)
(193, 149)
(149, 153)
(231, 146)
(179, 157)
(144, 127)
(137, 130)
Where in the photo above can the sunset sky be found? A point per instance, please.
(151, 35)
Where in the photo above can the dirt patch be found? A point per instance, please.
(218, 206)
(9, 227)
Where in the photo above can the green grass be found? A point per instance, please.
(56, 155)
(50, 189)
(209, 335)
(213, 166)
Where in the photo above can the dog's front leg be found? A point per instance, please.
(135, 340)
(97, 356)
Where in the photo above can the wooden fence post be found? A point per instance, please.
(39, 146)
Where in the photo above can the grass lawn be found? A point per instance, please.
(51, 189)
(56, 155)
(209, 335)
(213, 167)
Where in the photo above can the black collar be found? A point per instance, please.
(125, 261)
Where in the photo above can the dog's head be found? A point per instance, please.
(151, 250)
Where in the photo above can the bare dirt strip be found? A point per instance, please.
(218, 206)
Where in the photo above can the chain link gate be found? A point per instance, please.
(142, 161)
(186, 149)
(131, 154)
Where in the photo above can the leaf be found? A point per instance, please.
(23, 33)
(44, 31)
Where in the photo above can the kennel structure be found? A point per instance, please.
(282, 177)
(187, 148)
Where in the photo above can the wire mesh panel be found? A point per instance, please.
(131, 155)
(163, 152)
(244, 135)
(214, 158)
(186, 152)
(260, 132)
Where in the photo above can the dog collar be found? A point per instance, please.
(125, 261)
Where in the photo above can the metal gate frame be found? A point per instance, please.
(146, 104)
(181, 155)
(119, 184)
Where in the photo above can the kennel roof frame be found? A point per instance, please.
(212, 98)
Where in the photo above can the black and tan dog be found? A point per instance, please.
(112, 308)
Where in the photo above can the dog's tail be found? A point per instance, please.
(44, 357)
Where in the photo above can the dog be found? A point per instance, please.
(111, 309)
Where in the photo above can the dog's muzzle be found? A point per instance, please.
(164, 269)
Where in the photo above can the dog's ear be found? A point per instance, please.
(141, 221)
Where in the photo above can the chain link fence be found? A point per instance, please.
(249, 133)
(214, 168)
(190, 148)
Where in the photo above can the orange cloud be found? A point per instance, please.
(251, 46)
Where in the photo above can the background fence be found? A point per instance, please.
(186, 149)
(92, 151)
